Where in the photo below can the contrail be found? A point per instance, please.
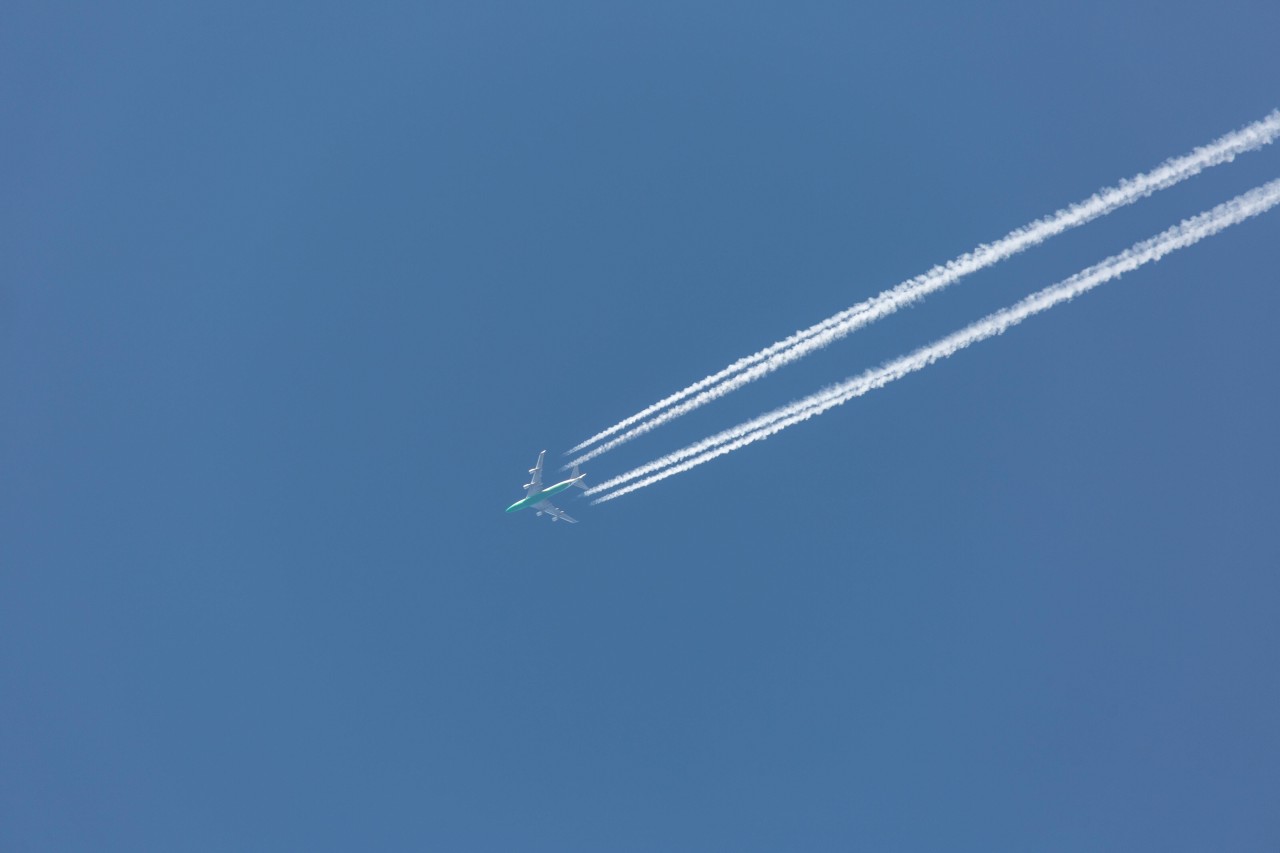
(1190, 231)
(800, 344)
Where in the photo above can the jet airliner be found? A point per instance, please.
(536, 496)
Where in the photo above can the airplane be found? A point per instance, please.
(537, 496)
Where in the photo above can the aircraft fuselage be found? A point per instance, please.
(538, 497)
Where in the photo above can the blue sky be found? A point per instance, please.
(293, 294)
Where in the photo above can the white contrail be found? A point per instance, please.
(1190, 231)
(800, 344)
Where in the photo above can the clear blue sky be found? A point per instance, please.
(291, 295)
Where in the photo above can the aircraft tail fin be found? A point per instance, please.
(578, 477)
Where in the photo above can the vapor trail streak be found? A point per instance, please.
(1190, 231)
(752, 367)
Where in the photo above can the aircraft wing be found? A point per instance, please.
(554, 511)
(535, 476)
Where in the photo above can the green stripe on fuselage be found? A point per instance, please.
(540, 496)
